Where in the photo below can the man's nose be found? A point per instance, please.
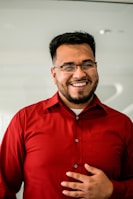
(79, 72)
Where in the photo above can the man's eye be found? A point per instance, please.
(68, 67)
(88, 65)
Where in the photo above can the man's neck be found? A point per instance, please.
(73, 105)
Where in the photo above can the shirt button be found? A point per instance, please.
(77, 117)
(76, 140)
(75, 166)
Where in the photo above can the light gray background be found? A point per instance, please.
(26, 28)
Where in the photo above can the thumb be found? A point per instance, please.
(90, 169)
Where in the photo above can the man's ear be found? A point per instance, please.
(53, 74)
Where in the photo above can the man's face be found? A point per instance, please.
(75, 87)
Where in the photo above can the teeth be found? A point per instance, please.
(79, 84)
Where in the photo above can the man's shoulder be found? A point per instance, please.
(117, 113)
(41, 105)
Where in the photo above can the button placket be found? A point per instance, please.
(75, 166)
(76, 140)
(77, 117)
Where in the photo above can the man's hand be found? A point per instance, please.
(96, 186)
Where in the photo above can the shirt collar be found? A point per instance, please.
(55, 100)
(51, 101)
(97, 103)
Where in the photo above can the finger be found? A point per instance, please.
(77, 176)
(74, 194)
(91, 169)
(72, 185)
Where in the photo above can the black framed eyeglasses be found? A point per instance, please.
(71, 67)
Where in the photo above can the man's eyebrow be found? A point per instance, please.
(86, 60)
(68, 63)
(81, 62)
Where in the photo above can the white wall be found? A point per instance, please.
(26, 28)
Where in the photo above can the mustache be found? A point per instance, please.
(87, 79)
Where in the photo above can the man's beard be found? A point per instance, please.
(81, 99)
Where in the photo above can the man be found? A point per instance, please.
(71, 145)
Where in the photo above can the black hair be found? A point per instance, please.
(71, 38)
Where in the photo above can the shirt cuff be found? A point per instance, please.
(118, 190)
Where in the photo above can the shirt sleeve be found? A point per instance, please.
(12, 155)
(123, 188)
(4, 191)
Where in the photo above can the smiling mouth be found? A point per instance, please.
(81, 84)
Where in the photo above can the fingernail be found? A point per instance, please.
(68, 173)
(64, 192)
(62, 183)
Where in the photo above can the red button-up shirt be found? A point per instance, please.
(47, 139)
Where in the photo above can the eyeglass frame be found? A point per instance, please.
(76, 65)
